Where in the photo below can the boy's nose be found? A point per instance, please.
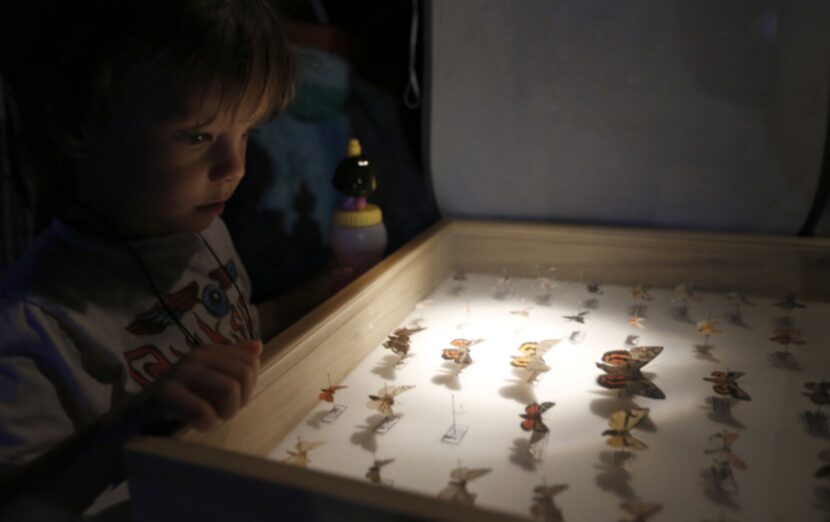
(229, 161)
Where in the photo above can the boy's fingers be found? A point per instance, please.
(254, 346)
(184, 404)
(223, 392)
(245, 374)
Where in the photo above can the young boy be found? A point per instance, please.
(150, 103)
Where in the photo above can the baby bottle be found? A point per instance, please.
(358, 235)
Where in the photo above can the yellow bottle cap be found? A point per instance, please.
(367, 217)
(354, 148)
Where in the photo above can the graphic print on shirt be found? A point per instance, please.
(217, 321)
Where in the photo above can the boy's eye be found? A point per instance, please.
(194, 138)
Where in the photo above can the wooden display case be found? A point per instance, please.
(224, 473)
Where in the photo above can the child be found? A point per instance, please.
(150, 103)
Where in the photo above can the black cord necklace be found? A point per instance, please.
(252, 334)
(192, 340)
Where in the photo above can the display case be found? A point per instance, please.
(501, 371)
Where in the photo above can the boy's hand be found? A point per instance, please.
(212, 382)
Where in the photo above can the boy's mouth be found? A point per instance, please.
(213, 208)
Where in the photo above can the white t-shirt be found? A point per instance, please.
(81, 328)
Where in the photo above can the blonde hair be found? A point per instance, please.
(222, 53)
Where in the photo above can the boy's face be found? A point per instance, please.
(156, 168)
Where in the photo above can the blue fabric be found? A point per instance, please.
(16, 222)
(280, 215)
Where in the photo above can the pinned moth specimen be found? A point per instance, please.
(532, 421)
(299, 457)
(543, 508)
(385, 399)
(460, 278)
(621, 422)
(622, 371)
(593, 288)
(632, 340)
(726, 383)
(590, 304)
(722, 473)
(787, 336)
(373, 474)
(456, 490)
(533, 363)
(639, 511)
(640, 293)
(707, 328)
(737, 299)
(789, 303)
(824, 470)
(682, 293)
(327, 395)
(421, 305)
(637, 322)
(532, 358)
(819, 394)
(503, 285)
(577, 336)
(726, 439)
(547, 284)
(399, 340)
(578, 318)
(460, 352)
